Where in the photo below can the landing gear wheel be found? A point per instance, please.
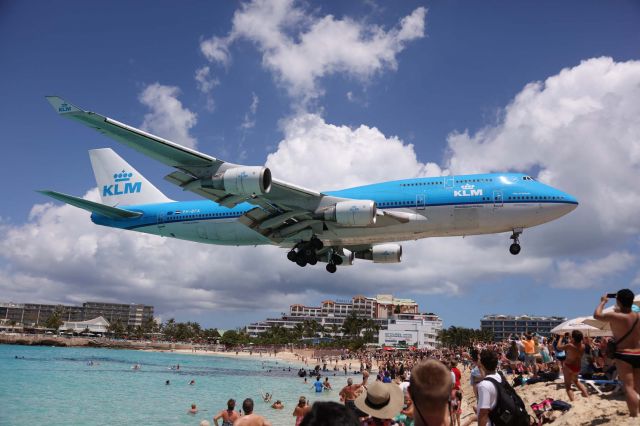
(514, 248)
(331, 268)
(301, 260)
(336, 259)
(292, 255)
(313, 261)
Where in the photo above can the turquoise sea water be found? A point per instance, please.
(55, 386)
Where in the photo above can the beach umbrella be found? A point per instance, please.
(605, 325)
(579, 324)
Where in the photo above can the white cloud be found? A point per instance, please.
(300, 48)
(581, 130)
(206, 83)
(324, 156)
(592, 272)
(168, 118)
(249, 120)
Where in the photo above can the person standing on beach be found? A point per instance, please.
(571, 366)
(250, 419)
(228, 416)
(626, 332)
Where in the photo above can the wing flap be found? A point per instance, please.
(111, 212)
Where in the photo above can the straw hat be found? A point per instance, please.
(381, 400)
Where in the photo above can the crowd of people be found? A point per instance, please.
(424, 387)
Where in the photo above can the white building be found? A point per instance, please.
(97, 325)
(420, 331)
(332, 313)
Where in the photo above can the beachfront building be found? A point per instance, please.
(420, 331)
(330, 315)
(35, 315)
(95, 326)
(504, 325)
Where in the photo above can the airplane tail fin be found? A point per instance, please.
(119, 183)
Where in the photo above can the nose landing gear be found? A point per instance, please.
(514, 248)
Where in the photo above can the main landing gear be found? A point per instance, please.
(306, 253)
(514, 248)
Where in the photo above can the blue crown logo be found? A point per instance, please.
(122, 176)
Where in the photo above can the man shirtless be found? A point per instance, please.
(627, 354)
(350, 392)
(571, 366)
(250, 419)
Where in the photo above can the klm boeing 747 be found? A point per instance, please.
(244, 205)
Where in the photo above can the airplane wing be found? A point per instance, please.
(282, 209)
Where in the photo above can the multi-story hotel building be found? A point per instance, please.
(504, 325)
(383, 309)
(35, 315)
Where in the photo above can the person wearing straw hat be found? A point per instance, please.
(381, 401)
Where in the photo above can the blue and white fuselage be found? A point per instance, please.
(434, 207)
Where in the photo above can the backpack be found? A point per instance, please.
(510, 409)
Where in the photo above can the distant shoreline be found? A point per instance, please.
(291, 358)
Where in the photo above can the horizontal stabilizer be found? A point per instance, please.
(61, 106)
(111, 212)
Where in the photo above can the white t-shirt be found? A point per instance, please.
(487, 394)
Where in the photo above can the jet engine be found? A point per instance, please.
(245, 180)
(382, 253)
(352, 213)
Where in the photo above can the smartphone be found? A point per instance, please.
(612, 295)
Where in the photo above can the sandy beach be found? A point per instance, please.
(607, 409)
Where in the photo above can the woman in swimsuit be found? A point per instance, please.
(228, 416)
(571, 367)
(301, 410)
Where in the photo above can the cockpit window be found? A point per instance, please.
(526, 178)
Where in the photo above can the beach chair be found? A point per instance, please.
(595, 384)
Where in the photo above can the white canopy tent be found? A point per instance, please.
(579, 324)
(96, 325)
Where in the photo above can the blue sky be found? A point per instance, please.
(456, 96)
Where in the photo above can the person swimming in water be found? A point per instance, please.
(326, 384)
(193, 410)
(267, 397)
(277, 405)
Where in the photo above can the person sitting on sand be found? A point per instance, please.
(193, 409)
(571, 366)
(626, 332)
(250, 419)
(228, 416)
(277, 405)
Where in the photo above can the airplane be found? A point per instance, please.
(245, 205)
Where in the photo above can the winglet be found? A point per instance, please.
(61, 106)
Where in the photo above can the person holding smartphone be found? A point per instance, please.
(626, 332)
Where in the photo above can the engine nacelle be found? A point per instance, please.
(352, 213)
(382, 253)
(245, 180)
